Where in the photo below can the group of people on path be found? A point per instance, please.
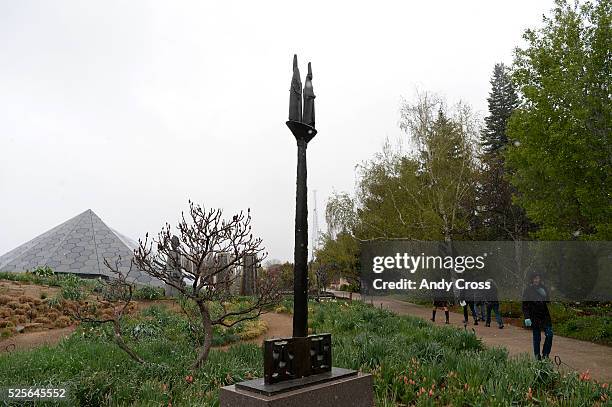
(482, 303)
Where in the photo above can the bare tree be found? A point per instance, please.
(111, 305)
(199, 263)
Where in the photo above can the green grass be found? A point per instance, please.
(97, 372)
(404, 354)
(31, 278)
(401, 350)
(587, 322)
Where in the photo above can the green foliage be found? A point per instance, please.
(424, 194)
(340, 213)
(30, 278)
(561, 149)
(148, 293)
(284, 273)
(403, 353)
(591, 323)
(498, 218)
(45, 271)
(406, 354)
(71, 287)
(502, 101)
(352, 288)
(340, 256)
(594, 328)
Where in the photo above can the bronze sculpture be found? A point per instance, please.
(295, 94)
(309, 96)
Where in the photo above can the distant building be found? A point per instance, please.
(78, 246)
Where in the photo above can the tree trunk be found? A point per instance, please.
(122, 344)
(208, 333)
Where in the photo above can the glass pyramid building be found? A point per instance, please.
(77, 246)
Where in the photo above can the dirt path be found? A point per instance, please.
(581, 355)
(279, 326)
(31, 340)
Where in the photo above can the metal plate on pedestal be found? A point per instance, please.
(292, 358)
(258, 385)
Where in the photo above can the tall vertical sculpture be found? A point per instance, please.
(303, 360)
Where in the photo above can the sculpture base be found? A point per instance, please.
(338, 388)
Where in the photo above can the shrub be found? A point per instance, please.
(148, 293)
(44, 271)
(24, 299)
(71, 287)
(253, 329)
(53, 302)
(62, 322)
(6, 332)
(5, 323)
(52, 315)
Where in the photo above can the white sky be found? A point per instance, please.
(132, 107)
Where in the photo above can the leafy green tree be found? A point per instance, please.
(426, 194)
(340, 257)
(561, 153)
(340, 214)
(283, 273)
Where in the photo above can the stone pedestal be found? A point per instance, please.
(349, 391)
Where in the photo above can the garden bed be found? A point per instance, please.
(413, 363)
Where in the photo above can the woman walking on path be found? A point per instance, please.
(440, 300)
(535, 309)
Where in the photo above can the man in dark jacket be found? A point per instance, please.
(535, 309)
(492, 301)
(466, 300)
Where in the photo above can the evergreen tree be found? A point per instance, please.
(498, 218)
(502, 101)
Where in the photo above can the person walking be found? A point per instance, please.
(440, 300)
(537, 316)
(492, 301)
(478, 305)
(466, 301)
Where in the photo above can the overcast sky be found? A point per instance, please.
(130, 108)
